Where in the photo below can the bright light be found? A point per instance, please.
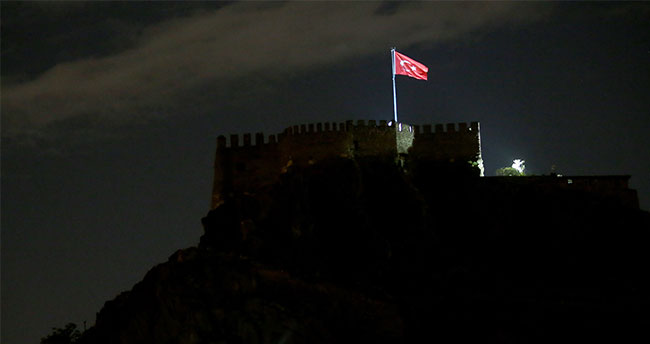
(519, 165)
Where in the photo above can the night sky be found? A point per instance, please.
(110, 113)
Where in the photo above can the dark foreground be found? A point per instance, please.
(357, 251)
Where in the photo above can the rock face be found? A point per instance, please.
(357, 250)
(203, 297)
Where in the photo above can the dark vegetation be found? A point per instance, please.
(65, 335)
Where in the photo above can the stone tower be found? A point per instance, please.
(251, 167)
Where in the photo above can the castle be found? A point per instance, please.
(250, 167)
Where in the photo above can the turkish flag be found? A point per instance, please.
(405, 65)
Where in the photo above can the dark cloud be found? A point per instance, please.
(176, 55)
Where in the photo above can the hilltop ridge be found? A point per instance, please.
(361, 249)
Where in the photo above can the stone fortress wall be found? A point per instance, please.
(247, 166)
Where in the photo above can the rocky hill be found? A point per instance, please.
(359, 250)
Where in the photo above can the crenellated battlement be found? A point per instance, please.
(245, 140)
(448, 128)
(249, 163)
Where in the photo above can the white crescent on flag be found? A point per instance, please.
(405, 65)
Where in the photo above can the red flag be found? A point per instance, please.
(405, 65)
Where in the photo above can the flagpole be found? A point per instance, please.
(392, 55)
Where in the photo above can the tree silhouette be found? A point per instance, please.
(67, 335)
(508, 171)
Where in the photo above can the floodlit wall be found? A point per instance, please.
(247, 166)
(450, 143)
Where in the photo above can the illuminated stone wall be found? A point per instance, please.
(447, 145)
(244, 166)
